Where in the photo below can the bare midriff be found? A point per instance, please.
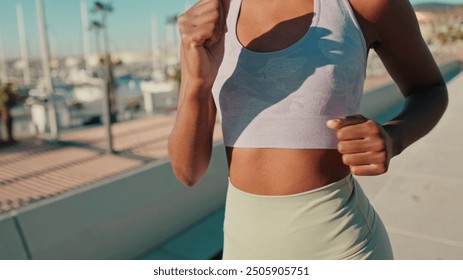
(268, 171)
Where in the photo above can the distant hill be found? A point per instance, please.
(435, 7)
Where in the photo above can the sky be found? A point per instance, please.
(129, 25)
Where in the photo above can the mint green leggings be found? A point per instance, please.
(335, 221)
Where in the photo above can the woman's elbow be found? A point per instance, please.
(187, 175)
(441, 99)
(445, 97)
(187, 172)
(185, 178)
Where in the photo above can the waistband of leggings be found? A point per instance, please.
(346, 184)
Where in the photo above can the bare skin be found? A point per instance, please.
(365, 147)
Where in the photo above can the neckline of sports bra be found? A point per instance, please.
(308, 33)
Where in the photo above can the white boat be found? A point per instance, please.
(159, 95)
(85, 89)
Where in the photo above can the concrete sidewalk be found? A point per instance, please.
(420, 199)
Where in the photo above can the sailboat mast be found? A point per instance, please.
(45, 53)
(155, 43)
(23, 44)
(3, 66)
(85, 35)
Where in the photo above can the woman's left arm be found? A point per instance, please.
(392, 30)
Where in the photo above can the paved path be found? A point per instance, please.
(31, 172)
(420, 199)
(35, 170)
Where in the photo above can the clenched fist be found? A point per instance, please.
(202, 29)
(366, 147)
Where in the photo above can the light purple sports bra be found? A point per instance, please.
(282, 99)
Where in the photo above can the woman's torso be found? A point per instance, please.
(268, 27)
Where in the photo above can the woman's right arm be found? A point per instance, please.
(202, 30)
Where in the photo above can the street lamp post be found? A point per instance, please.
(108, 85)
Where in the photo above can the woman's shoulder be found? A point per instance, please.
(377, 10)
(378, 17)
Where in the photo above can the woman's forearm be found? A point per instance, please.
(190, 143)
(421, 112)
(202, 29)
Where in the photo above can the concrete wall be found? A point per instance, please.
(373, 101)
(116, 219)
